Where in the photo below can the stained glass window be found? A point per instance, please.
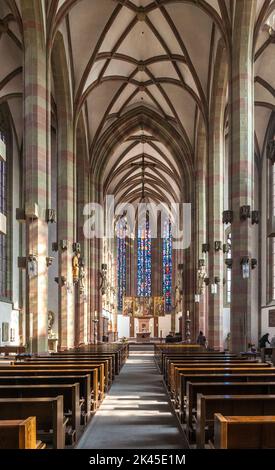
(3, 238)
(167, 265)
(144, 261)
(121, 261)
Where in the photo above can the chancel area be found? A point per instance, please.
(137, 224)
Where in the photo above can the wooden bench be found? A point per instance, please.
(51, 423)
(231, 369)
(229, 388)
(83, 380)
(36, 365)
(228, 405)
(242, 378)
(36, 371)
(244, 432)
(19, 434)
(71, 401)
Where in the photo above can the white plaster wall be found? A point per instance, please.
(264, 323)
(164, 325)
(10, 316)
(9, 311)
(123, 326)
(226, 324)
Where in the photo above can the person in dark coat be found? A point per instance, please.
(201, 339)
(263, 340)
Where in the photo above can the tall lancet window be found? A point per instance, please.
(121, 230)
(3, 210)
(167, 241)
(144, 261)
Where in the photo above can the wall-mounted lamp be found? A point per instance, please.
(229, 263)
(217, 245)
(254, 263)
(245, 212)
(227, 217)
(205, 247)
(245, 267)
(255, 217)
(197, 298)
(32, 266)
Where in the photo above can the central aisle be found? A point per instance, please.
(136, 413)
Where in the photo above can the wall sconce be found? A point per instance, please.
(227, 217)
(254, 263)
(32, 266)
(49, 261)
(206, 281)
(201, 263)
(244, 212)
(63, 245)
(255, 217)
(205, 247)
(229, 263)
(51, 216)
(20, 215)
(217, 245)
(245, 267)
(217, 280)
(214, 289)
(55, 246)
(225, 248)
(62, 282)
(76, 247)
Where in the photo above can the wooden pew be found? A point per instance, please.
(64, 365)
(244, 432)
(242, 378)
(93, 373)
(213, 369)
(175, 367)
(19, 434)
(71, 401)
(229, 388)
(228, 405)
(83, 380)
(50, 419)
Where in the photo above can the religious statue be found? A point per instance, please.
(51, 318)
(82, 275)
(75, 263)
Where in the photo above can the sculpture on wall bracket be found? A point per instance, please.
(75, 266)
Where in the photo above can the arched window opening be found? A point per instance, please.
(121, 230)
(167, 265)
(144, 260)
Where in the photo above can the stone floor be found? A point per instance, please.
(136, 414)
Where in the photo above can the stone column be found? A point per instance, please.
(81, 327)
(201, 209)
(66, 217)
(242, 155)
(215, 198)
(35, 168)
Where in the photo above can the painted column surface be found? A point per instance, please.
(66, 195)
(215, 197)
(242, 155)
(201, 197)
(35, 169)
